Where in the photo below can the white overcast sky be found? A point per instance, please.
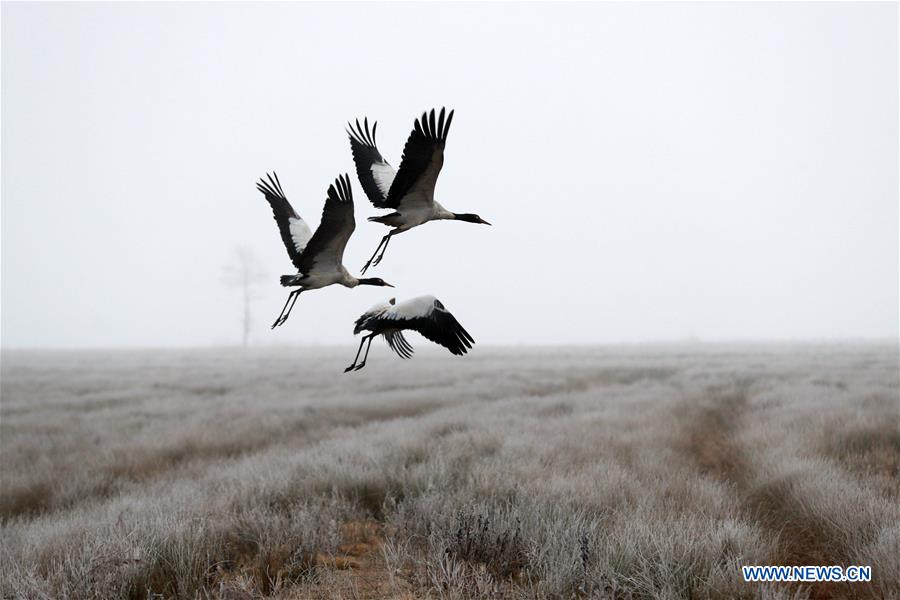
(653, 171)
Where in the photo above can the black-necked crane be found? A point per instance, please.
(409, 192)
(424, 314)
(318, 256)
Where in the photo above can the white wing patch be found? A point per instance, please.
(412, 309)
(378, 308)
(384, 175)
(300, 233)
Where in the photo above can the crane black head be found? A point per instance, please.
(469, 218)
(374, 281)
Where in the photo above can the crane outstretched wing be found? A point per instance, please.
(295, 233)
(428, 316)
(325, 250)
(375, 174)
(423, 157)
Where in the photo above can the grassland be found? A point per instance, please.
(630, 472)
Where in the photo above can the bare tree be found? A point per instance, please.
(246, 272)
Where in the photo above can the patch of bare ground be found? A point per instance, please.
(712, 443)
(709, 440)
(358, 570)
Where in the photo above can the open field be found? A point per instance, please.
(620, 472)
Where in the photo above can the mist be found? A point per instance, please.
(653, 171)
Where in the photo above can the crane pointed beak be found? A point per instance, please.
(387, 284)
(482, 221)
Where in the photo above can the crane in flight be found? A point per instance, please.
(408, 192)
(425, 315)
(318, 256)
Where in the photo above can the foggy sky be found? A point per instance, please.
(653, 171)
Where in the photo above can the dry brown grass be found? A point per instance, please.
(873, 454)
(573, 473)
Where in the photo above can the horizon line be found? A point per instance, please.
(831, 341)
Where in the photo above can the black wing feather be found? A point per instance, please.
(336, 227)
(442, 328)
(424, 146)
(405, 344)
(283, 212)
(398, 344)
(366, 154)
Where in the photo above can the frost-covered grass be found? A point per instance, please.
(632, 472)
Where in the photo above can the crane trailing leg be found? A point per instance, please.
(366, 355)
(357, 367)
(284, 315)
(373, 261)
(358, 350)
